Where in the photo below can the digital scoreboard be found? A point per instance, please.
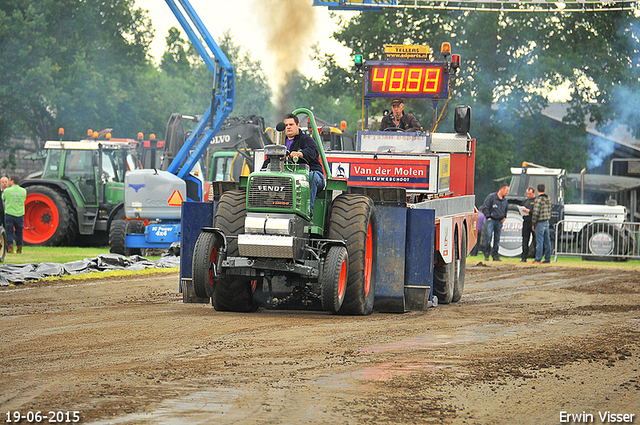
(406, 79)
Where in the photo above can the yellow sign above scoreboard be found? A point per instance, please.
(403, 51)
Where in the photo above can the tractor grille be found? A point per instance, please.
(270, 192)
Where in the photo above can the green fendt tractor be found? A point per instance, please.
(265, 232)
(80, 192)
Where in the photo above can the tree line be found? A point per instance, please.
(83, 64)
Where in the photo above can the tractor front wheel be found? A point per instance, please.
(205, 256)
(603, 242)
(232, 293)
(49, 218)
(334, 278)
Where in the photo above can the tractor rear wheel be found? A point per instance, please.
(353, 220)
(49, 218)
(333, 283)
(205, 256)
(232, 293)
(230, 215)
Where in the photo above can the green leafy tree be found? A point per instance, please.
(69, 63)
(252, 91)
(184, 70)
(510, 61)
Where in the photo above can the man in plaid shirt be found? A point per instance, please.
(540, 220)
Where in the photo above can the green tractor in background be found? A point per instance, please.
(79, 193)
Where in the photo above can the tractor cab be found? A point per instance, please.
(95, 168)
(80, 188)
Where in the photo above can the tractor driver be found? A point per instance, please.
(399, 119)
(303, 147)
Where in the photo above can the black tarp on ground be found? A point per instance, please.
(20, 273)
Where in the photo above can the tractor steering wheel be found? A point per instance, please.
(394, 129)
(296, 159)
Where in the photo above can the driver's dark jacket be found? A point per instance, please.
(407, 123)
(310, 153)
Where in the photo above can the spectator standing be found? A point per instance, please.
(540, 221)
(494, 209)
(527, 226)
(14, 198)
(4, 183)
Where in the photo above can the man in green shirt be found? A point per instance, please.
(14, 198)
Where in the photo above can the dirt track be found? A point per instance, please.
(524, 344)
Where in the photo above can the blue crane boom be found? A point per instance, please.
(223, 90)
(156, 196)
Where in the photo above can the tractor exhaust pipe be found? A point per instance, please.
(280, 133)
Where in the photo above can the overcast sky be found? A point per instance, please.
(253, 24)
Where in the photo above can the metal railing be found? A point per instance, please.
(600, 239)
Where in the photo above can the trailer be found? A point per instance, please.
(390, 231)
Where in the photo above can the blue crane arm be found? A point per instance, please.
(223, 90)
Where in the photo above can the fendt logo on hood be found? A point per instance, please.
(268, 188)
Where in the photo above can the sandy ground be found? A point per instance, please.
(525, 345)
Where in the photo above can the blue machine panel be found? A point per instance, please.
(391, 223)
(163, 233)
(420, 250)
(195, 216)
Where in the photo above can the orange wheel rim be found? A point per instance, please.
(368, 261)
(41, 219)
(212, 259)
(342, 282)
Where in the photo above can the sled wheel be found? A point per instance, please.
(334, 278)
(444, 279)
(461, 265)
(353, 220)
